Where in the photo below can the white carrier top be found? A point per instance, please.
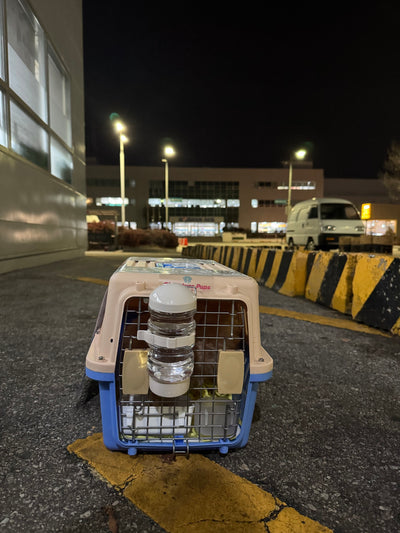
(189, 267)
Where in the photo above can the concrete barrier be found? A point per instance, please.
(330, 280)
(286, 272)
(365, 286)
(376, 292)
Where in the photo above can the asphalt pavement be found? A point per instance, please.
(324, 439)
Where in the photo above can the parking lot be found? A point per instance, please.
(324, 440)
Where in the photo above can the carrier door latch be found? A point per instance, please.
(176, 452)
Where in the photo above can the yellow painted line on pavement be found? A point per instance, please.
(192, 495)
(98, 281)
(342, 323)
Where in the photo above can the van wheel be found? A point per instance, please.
(310, 244)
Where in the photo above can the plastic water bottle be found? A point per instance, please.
(170, 337)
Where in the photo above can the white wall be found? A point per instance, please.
(42, 218)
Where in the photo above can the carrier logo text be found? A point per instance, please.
(187, 282)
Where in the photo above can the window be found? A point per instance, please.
(60, 98)
(61, 161)
(268, 203)
(2, 69)
(298, 186)
(201, 190)
(271, 227)
(338, 212)
(3, 121)
(381, 227)
(267, 184)
(36, 90)
(194, 202)
(28, 139)
(26, 57)
(111, 201)
(193, 229)
(313, 212)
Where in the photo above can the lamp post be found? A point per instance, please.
(168, 151)
(299, 155)
(120, 128)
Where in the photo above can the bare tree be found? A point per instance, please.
(391, 170)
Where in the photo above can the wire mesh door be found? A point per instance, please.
(202, 414)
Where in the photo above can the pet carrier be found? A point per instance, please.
(177, 356)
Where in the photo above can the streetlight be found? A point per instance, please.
(120, 128)
(299, 155)
(168, 152)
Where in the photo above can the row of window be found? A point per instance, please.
(199, 189)
(190, 203)
(268, 203)
(35, 95)
(296, 185)
(116, 201)
(268, 227)
(193, 229)
(193, 202)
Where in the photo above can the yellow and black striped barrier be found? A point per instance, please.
(365, 286)
(330, 280)
(376, 292)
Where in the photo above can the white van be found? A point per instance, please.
(319, 222)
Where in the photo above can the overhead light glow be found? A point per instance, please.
(300, 154)
(119, 126)
(168, 151)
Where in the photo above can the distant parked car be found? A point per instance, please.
(319, 222)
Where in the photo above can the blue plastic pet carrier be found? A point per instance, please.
(213, 408)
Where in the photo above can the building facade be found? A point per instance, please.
(42, 142)
(380, 213)
(202, 201)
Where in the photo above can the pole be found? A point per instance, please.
(122, 178)
(166, 193)
(289, 201)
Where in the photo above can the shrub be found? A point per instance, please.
(140, 237)
(104, 226)
(165, 239)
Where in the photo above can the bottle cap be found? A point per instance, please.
(172, 298)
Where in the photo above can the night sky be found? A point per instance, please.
(243, 87)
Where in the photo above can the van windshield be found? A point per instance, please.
(338, 212)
